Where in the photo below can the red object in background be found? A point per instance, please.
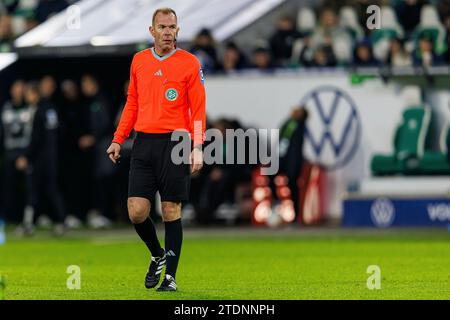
(312, 197)
(312, 194)
(262, 198)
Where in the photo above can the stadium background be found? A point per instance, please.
(371, 97)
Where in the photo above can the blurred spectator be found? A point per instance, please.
(46, 8)
(424, 54)
(363, 55)
(16, 125)
(261, 59)
(204, 49)
(323, 57)
(328, 25)
(233, 58)
(73, 126)
(331, 35)
(6, 37)
(42, 158)
(408, 14)
(291, 151)
(398, 57)
(95, 142)
(282, 40)
(47, 88)
(307, 52)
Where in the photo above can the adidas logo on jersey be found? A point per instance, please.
(158, 73)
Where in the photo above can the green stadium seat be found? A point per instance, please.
(381, 34)
(409, 143)
(434, 34)
(434, 162)
(431, 27)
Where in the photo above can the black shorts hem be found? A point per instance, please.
(174, 199)
(136, 195)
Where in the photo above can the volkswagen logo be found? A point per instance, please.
(382, 213)
(333, 129)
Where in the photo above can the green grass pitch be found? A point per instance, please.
(235, 264)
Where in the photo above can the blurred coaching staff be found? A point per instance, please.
(41, 159)
(166, 94)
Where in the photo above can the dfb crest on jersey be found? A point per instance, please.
(171, 94)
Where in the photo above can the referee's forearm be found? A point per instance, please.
(126, 124)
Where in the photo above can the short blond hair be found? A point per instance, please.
(164, 11)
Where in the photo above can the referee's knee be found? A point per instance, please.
(171, 210)
(138, 209)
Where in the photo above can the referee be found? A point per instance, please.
(166, 94)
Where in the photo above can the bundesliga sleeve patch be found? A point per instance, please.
(202, 77)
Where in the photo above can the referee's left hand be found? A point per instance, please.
(114, 152)
(196, 161)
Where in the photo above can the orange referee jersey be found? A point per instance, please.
(165, 94)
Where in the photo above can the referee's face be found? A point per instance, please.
(165, 32)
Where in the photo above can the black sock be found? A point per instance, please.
(174, 238)
(146, 230)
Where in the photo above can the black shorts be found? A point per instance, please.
(151, 169)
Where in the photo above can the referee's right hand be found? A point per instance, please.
(114, 152)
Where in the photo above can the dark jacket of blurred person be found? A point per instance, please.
(292, 134)
(74, 164)
(363, 55)
(96, 141)
(72, 125)
(100, 125)
(307, 52)
(282, 40)
(43, 148)
(15, 136)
